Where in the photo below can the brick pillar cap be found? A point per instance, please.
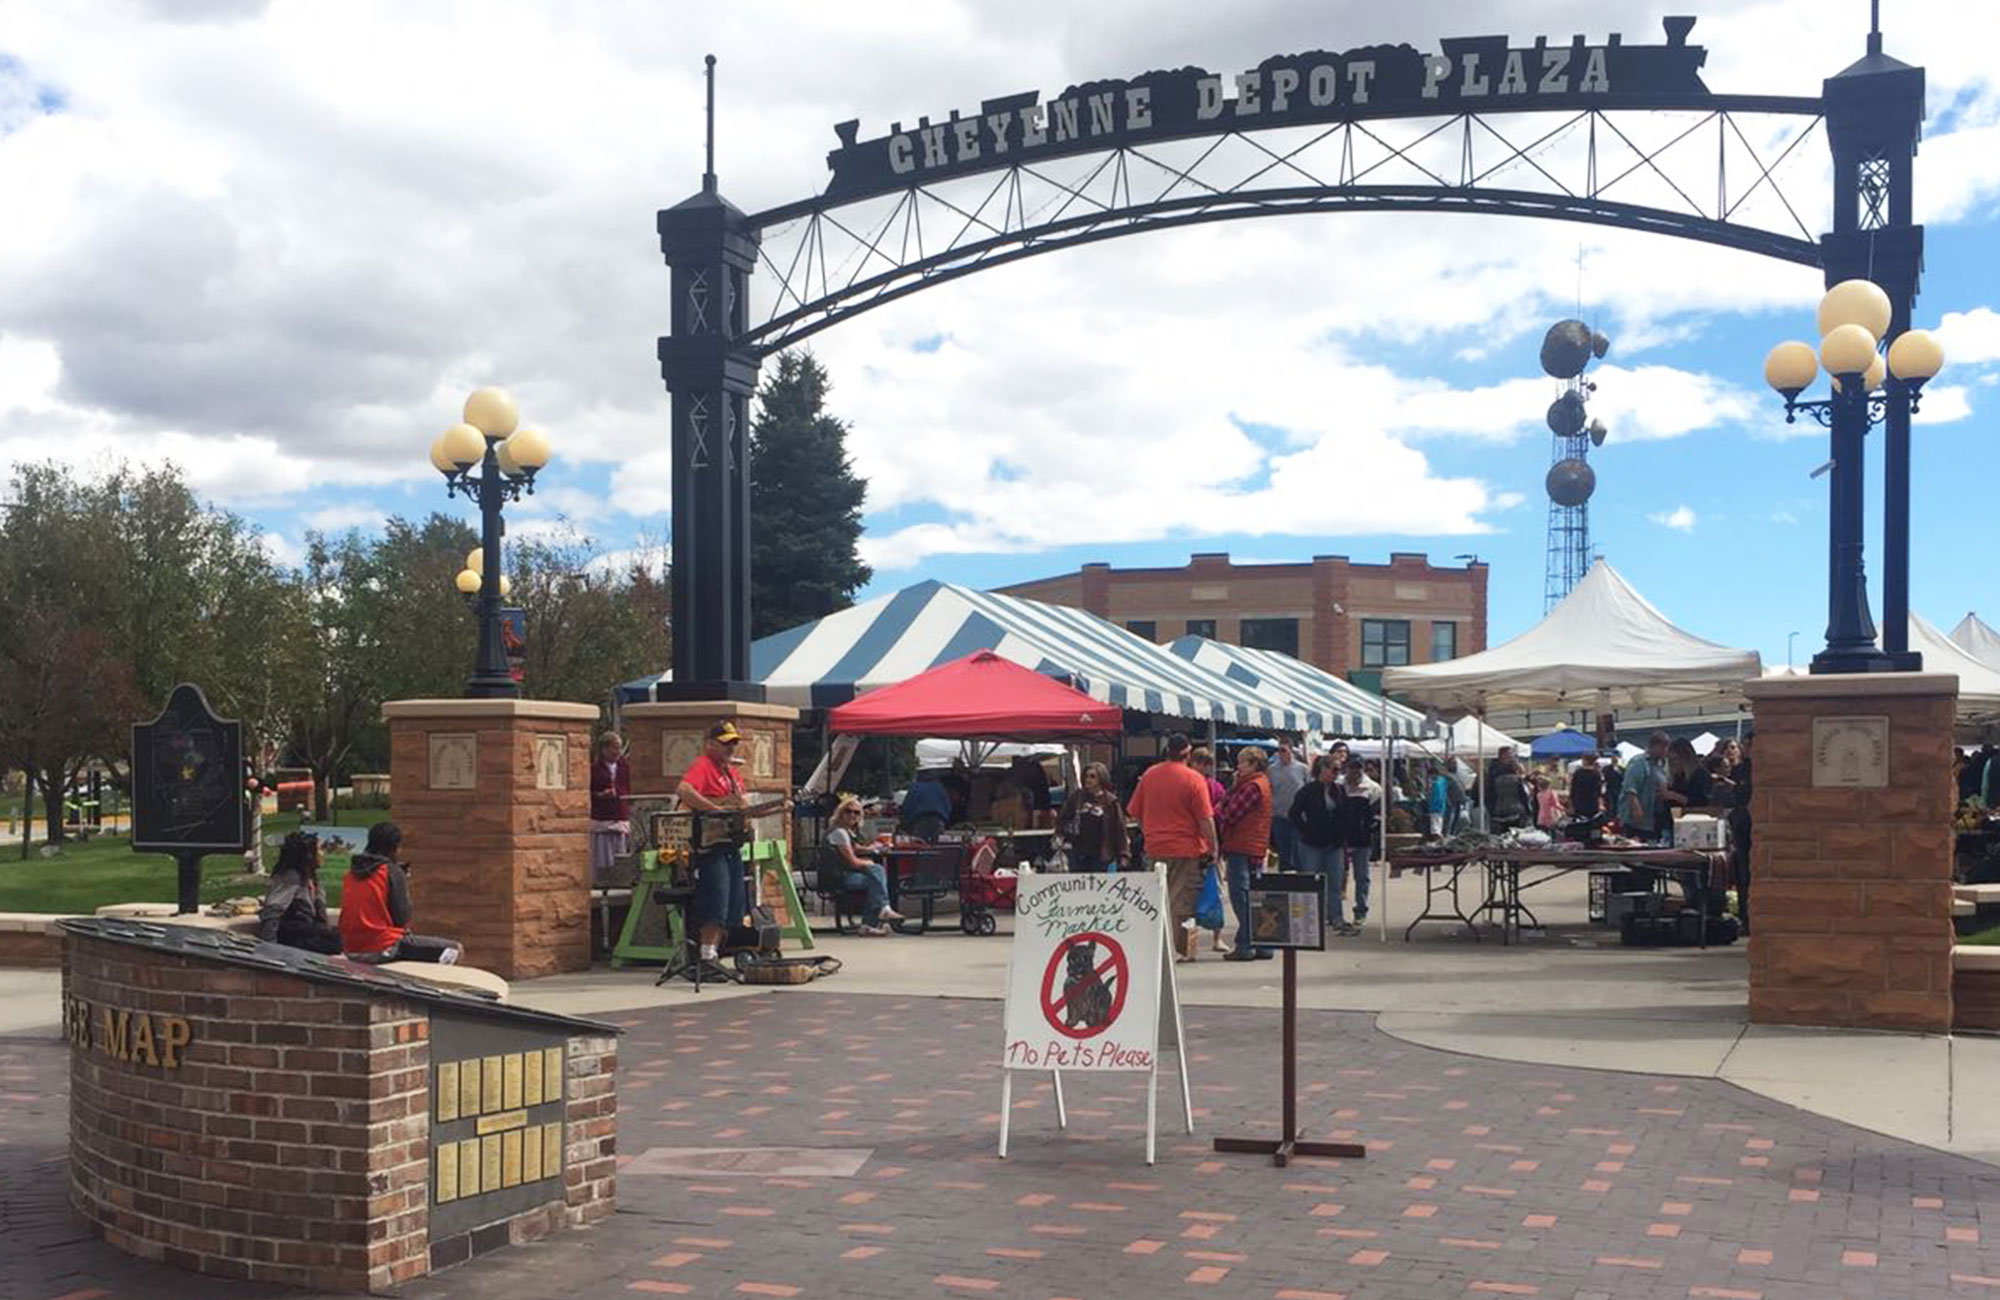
(710, 710)
(544, 709)
(1851, 686)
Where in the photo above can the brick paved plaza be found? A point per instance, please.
(1483, 1179)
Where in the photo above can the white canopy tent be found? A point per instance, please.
(1978, 640)
(1605, 647)
(1978, 717)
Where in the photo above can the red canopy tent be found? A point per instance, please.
(979, 697)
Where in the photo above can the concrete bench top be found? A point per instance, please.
(1977, 893)
(137, 911)
(1975, 957)
(1964, 907)
(464, 977)
(30, 922)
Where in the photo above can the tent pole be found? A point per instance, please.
(1382, 843)
(1479, 766)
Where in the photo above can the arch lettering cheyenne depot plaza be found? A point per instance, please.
(1285, 90)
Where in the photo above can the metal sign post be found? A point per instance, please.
(1285, 912)
(188, 788)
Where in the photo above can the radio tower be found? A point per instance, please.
(1567, 348)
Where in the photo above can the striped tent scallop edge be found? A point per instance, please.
(893, 637)
(1349, 710)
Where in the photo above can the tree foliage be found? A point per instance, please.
(805, 502)
(118, 587)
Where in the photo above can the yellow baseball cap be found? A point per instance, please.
(725, 732)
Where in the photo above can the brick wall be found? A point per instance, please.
(288, 1144)
(283, 1133)
(504, 865)
(1329, 597)
(29, 941)
(1851, 895)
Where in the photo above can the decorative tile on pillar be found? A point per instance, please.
(678, 751)
(763, 755)
(551, 763)
(1850, 751)
(454, 760)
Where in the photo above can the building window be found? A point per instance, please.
(1280, 634)
(1201, 627)
(1385, 642)
(1144, 627)
(1444, 642)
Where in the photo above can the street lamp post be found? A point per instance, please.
(1854, 320)
(508, 458)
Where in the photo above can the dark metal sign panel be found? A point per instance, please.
(187, 779)
(1470, 74)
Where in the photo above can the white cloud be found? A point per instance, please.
(282, 550)
(1970, 338)
(183, 286)
(1681, 519)
(1944, 404)
(340, 518)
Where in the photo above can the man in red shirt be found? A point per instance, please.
(1172, 806)
(712, 784)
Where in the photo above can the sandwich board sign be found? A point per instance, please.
(1090, 985)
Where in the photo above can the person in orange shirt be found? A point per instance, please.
(1172, 809)
(1245, 823)
(375, 906)
(713, 785)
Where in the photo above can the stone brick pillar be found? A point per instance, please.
(1850, 905)
(494, 800)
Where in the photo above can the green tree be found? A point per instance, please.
(591, 624)
(805, 502)
(65, 700)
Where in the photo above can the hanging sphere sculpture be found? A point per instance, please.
(1571, 482)
(1566, 415)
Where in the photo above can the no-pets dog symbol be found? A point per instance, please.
(1094, 976)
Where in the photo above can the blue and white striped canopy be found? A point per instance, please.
(1349, 710)
(893, 638)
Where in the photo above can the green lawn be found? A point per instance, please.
(84, 877)
(1982, 938)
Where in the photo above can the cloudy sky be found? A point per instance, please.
(278, 242)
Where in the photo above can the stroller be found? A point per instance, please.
(980, 891)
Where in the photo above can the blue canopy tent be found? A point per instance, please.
(892, 638)
(1566, 743)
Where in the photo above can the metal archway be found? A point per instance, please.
(1610, 134)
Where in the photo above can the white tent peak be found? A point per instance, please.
(1977, 639)
(1604, 646)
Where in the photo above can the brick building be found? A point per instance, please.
(1349, 619)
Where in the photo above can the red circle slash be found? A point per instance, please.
(1079, 1008)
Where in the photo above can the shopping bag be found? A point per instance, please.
(1208, 903)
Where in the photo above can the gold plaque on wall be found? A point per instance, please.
(447, 1174)
(531, 1082)
(468, 1167)
(468, 1088)
(551, 1150)
(454, 759)
(510, 1081)
(489, 1162)
(510, 1158)
(552, 1074)
(531, 1156)
(490, 1084)
(446, 1092)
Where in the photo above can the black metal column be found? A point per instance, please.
(1874, 117)
(711, 375)
(490, 678)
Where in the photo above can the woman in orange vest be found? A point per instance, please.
(1244, 823)
(375, 906)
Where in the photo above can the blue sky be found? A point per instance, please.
(278, 242)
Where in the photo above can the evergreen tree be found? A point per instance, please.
(805, 502)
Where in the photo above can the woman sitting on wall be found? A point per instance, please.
(375, 906)
(294, 911)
